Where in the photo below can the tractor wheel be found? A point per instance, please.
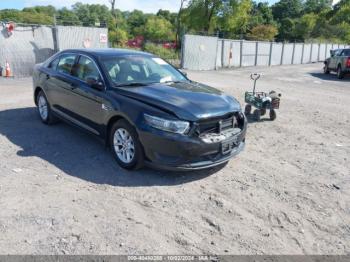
(257, 114)
(247, 109)
(273, 115)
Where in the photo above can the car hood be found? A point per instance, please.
(187, 100)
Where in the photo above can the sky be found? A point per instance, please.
(147, 6)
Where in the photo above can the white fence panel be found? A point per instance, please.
(263, 53)
(248, 54)
(298, 52)
(307, 53)
(207, 53)
(314, 53)
(199, 52)
(329, 48)
(276, 54)
(322, 52)
(287, 54)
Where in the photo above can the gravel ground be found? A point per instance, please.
(287, 193)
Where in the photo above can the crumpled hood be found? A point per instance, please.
(187, 100)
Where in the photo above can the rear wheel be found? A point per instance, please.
(44, 109)
(257, 114)
(273, 115)
(340, 73)
(125, 145)
(326, 69)
(247, 109)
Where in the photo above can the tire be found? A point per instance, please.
(44, 109)
(247, 109)
(340, 73)
(326, 69)
(273, 115)
(257, 114)
(125, 145)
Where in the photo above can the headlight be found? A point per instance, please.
(173, 126)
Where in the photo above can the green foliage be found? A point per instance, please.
(236, 17)
(118, 37)
(201, 15)
(305, 26)
(287, 9)
(316, 6)
(295, 20)
(160, 51)
(158, 28)
(263, 33)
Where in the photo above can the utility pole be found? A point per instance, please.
(112, 2)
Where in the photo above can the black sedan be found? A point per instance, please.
(146, 111)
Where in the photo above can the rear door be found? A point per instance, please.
(59, 82)
(85, 102)
(334, 59)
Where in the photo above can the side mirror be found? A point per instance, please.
(332, 53)
(98, 86)
(95, 83)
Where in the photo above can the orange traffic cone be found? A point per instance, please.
(7, 70)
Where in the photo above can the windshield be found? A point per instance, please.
(142, 70)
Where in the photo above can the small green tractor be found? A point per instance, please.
(261, 101)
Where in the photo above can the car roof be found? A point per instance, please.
(106, 52)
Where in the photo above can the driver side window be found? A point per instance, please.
(86, 71)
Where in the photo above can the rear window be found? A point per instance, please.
(66, 63)
(346, 52)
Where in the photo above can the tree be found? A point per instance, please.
(118, 37)
(201, 14)
(136, 21)
(236, 17)
(263, 33)
(316, 6)
(112, 2)
(304, 26)
(178, 21)
(287, 9)
(286, 30)
(67, 17)
(158, 28)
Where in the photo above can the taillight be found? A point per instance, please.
(348, 62)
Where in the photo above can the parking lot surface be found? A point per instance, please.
(287, 193)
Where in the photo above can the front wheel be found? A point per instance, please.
(247, 109)
(125, 145)
(340, 73)
(257, 114)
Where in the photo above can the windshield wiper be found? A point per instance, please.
(175, 82)
(132, 84)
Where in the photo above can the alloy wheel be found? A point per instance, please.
(124, 145)
(43, 107)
